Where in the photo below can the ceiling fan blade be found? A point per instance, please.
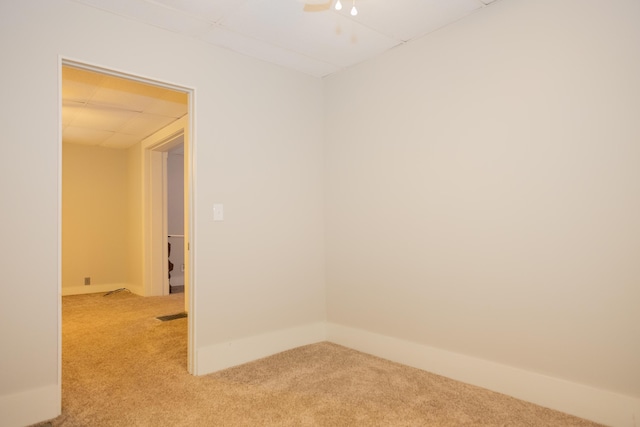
(317, 7)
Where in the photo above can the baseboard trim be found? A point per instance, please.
(591, 403)
(232, 353)
(93, 289)
(30, 406)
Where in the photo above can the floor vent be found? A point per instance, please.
(172, 317)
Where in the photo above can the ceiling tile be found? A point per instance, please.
(68, 114)
(137, 97)
(167, 108)
(276, 31)
(130, 94)
(208, 10)
(86, 136)
(268, 52)
(79, 84)
(120, 141)
(173, 96)
(102, 119)
(142, 123)
(111, 104)
(154, 14)
(326, 36)
(408, 19)
(281, 32)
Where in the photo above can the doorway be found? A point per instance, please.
(175, 217)
(166, 219)
(105, 111)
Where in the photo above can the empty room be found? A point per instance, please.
(446, 186)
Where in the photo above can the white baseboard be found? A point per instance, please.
(93, 289)
(225, 355)
(591, 403)
(30, 406)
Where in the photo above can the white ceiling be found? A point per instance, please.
(113, 112)
(281, 32)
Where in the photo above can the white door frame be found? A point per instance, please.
(154, 165)
(185, 124)
(154, 170)
(155, 251)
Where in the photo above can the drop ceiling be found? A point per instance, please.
(282, 32)
(114, 112)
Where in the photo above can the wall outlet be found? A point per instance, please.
(87, 281)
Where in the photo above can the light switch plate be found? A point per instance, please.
(218, 212)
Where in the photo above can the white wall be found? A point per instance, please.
(258, 149)
(135, 250)
(483, 196)
(95, 212)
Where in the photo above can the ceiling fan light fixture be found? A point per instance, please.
(354, 11)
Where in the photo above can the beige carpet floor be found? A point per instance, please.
(123, 367)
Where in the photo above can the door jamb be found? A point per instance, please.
(154, 158)
(189, 202)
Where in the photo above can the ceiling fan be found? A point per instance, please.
(316, 5)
